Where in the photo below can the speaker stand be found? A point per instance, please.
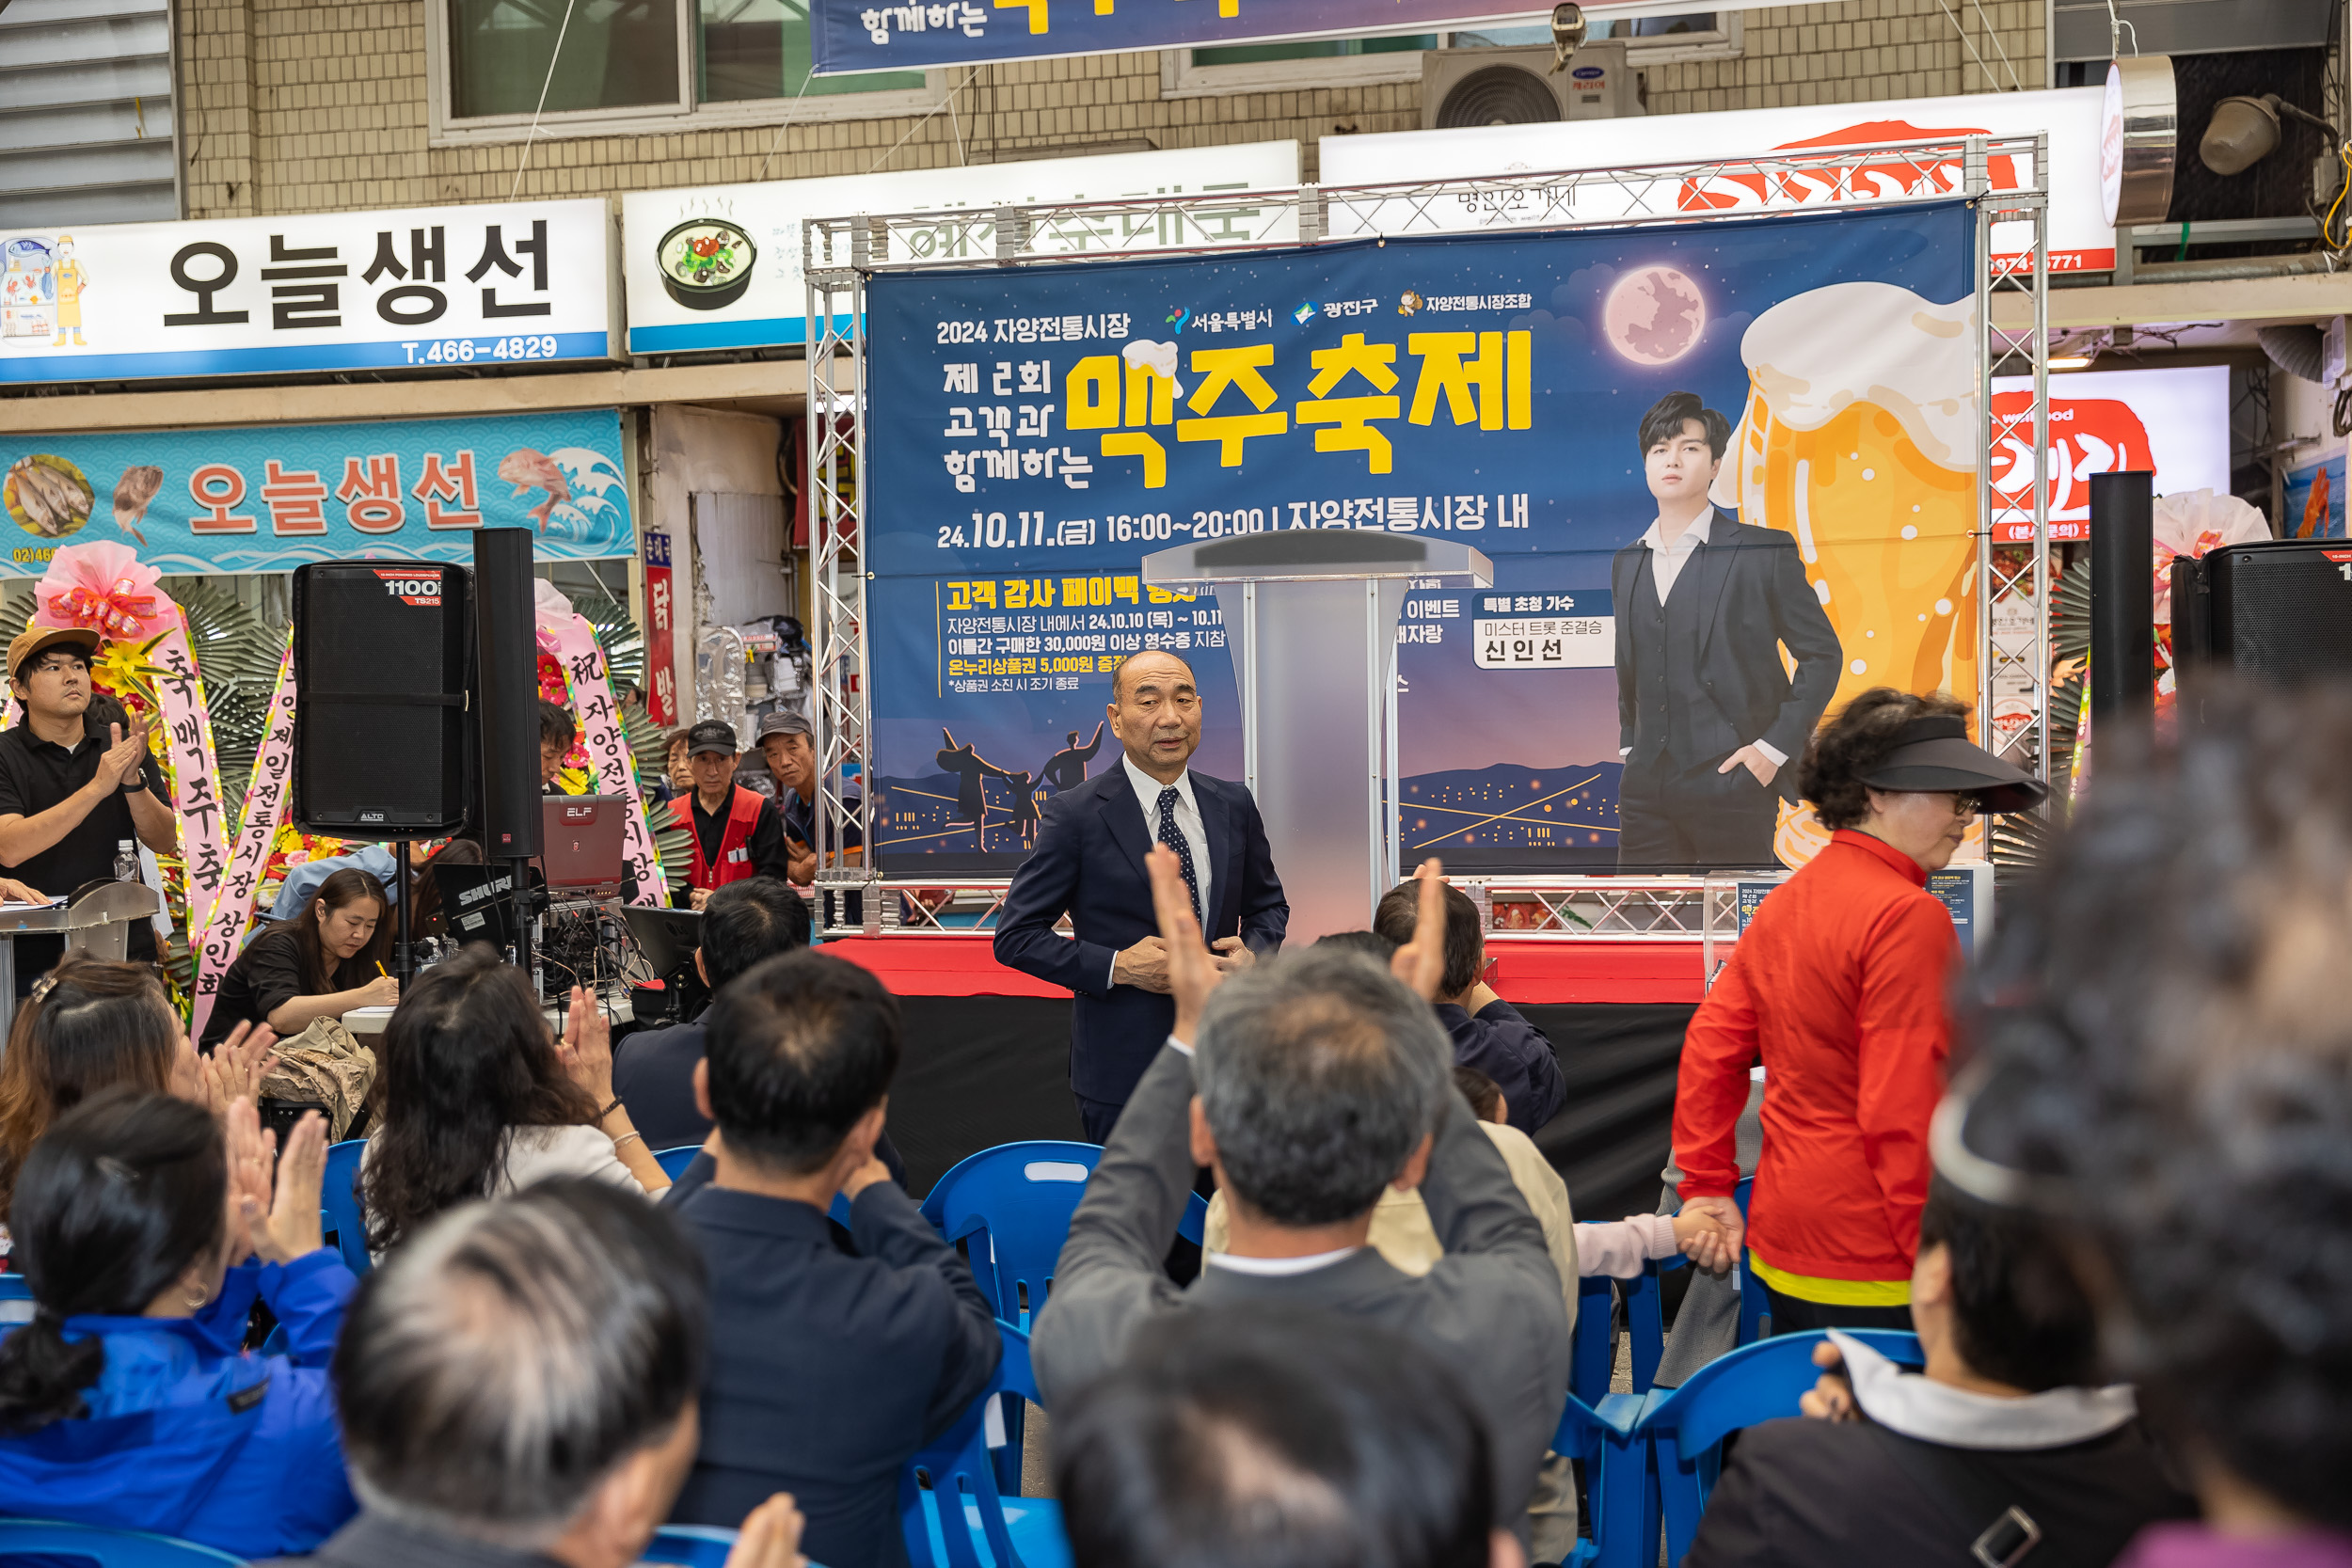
(403, 952)
(525, 910)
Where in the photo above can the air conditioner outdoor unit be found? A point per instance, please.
(1516, 86)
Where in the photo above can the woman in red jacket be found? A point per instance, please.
(1837, 987)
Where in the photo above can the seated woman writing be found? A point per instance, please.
(322, 964)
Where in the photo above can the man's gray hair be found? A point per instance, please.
(499, 1364)
(1319, 1073)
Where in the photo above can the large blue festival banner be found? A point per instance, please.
(873, 35)
(1035, 432)
(268, 497)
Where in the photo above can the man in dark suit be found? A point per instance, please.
(828, 1370)
(1089, 864)
(1709, 719)
(653, 1070)
(1318, 1083)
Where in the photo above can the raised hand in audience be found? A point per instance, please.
(1702, 1240)
(233, 1072)
(770, 1537)
(276, 1214)
(1421, 962)
(1193, 971)
(586, 1048)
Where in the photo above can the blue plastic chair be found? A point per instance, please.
(1755, 1306)
(1020, 1197)
(53, 1542)
(675, 1161)
(689, 1546)
(339, 1204)
(949, 1502)
(1685, 1426)
(1600, 1434)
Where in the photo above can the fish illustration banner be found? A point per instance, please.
(267, 498)
(1786, 405)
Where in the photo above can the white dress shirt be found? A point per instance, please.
(1665, 567)
(1187, 823)
(1277, 1267)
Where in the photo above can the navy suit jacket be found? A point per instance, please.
(829, 1369)
(1089, 864)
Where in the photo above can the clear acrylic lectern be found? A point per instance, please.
(1311, 618)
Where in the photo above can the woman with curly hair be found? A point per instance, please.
(475, 1097)
(1837, 987)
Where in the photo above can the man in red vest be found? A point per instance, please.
(737, 831)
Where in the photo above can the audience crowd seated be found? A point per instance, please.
(2166, 1068)
(475, 1097)
(2121, 1238)
(1488, 1034)
(653, 1069)
(1912, 1469)
(92, 1026)
(322, 964)
(1322, 1082)
(145, 1232)
(1278, 1437)
(829, 1368)
(517, 1387)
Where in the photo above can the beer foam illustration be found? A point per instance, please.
(1157, 357)
(1815, 354)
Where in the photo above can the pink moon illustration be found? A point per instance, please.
(1653, 315)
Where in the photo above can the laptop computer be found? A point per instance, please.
(581, 842)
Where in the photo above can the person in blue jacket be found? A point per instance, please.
(144, 1230)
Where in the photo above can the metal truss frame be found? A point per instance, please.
(840, 253)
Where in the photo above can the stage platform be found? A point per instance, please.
(987, 1053)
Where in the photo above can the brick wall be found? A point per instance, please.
(298, 105)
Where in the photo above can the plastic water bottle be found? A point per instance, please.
(126, 861)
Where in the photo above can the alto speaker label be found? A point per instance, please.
(417, 585)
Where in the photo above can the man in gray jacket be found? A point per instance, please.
(1313, 1082)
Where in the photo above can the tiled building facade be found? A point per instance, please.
(298, 106)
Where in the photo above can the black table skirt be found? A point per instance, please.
(981, 1071)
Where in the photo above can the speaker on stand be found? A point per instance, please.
(383, 735)
(508, 710)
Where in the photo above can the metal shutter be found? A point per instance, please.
(86, 113)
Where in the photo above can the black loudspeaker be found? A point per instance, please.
(2122, 605)
(2279, 612)
(383, 655)
(509, 705)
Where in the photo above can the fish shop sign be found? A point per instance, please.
(269, 498)
(516, 283)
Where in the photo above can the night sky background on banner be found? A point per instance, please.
(1012, 669)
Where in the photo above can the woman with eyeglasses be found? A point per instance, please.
(1838, 989)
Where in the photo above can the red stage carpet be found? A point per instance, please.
(1527, 973)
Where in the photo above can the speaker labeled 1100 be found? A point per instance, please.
(382, 660)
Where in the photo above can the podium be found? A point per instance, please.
(1311, 618)
(97, 923)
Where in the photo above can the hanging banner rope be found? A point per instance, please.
(575, 643)
(265, 807)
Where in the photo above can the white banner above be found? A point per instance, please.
(2080, 239)
(503, 283)
(719, 266)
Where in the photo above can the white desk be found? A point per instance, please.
(367, 1022)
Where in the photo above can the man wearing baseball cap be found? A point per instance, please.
(789, 746)
(737, 831)
(67, 799)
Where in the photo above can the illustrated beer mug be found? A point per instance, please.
(1859, 436)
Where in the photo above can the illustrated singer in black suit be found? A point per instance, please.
(1708, 717)
(1089, 864)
